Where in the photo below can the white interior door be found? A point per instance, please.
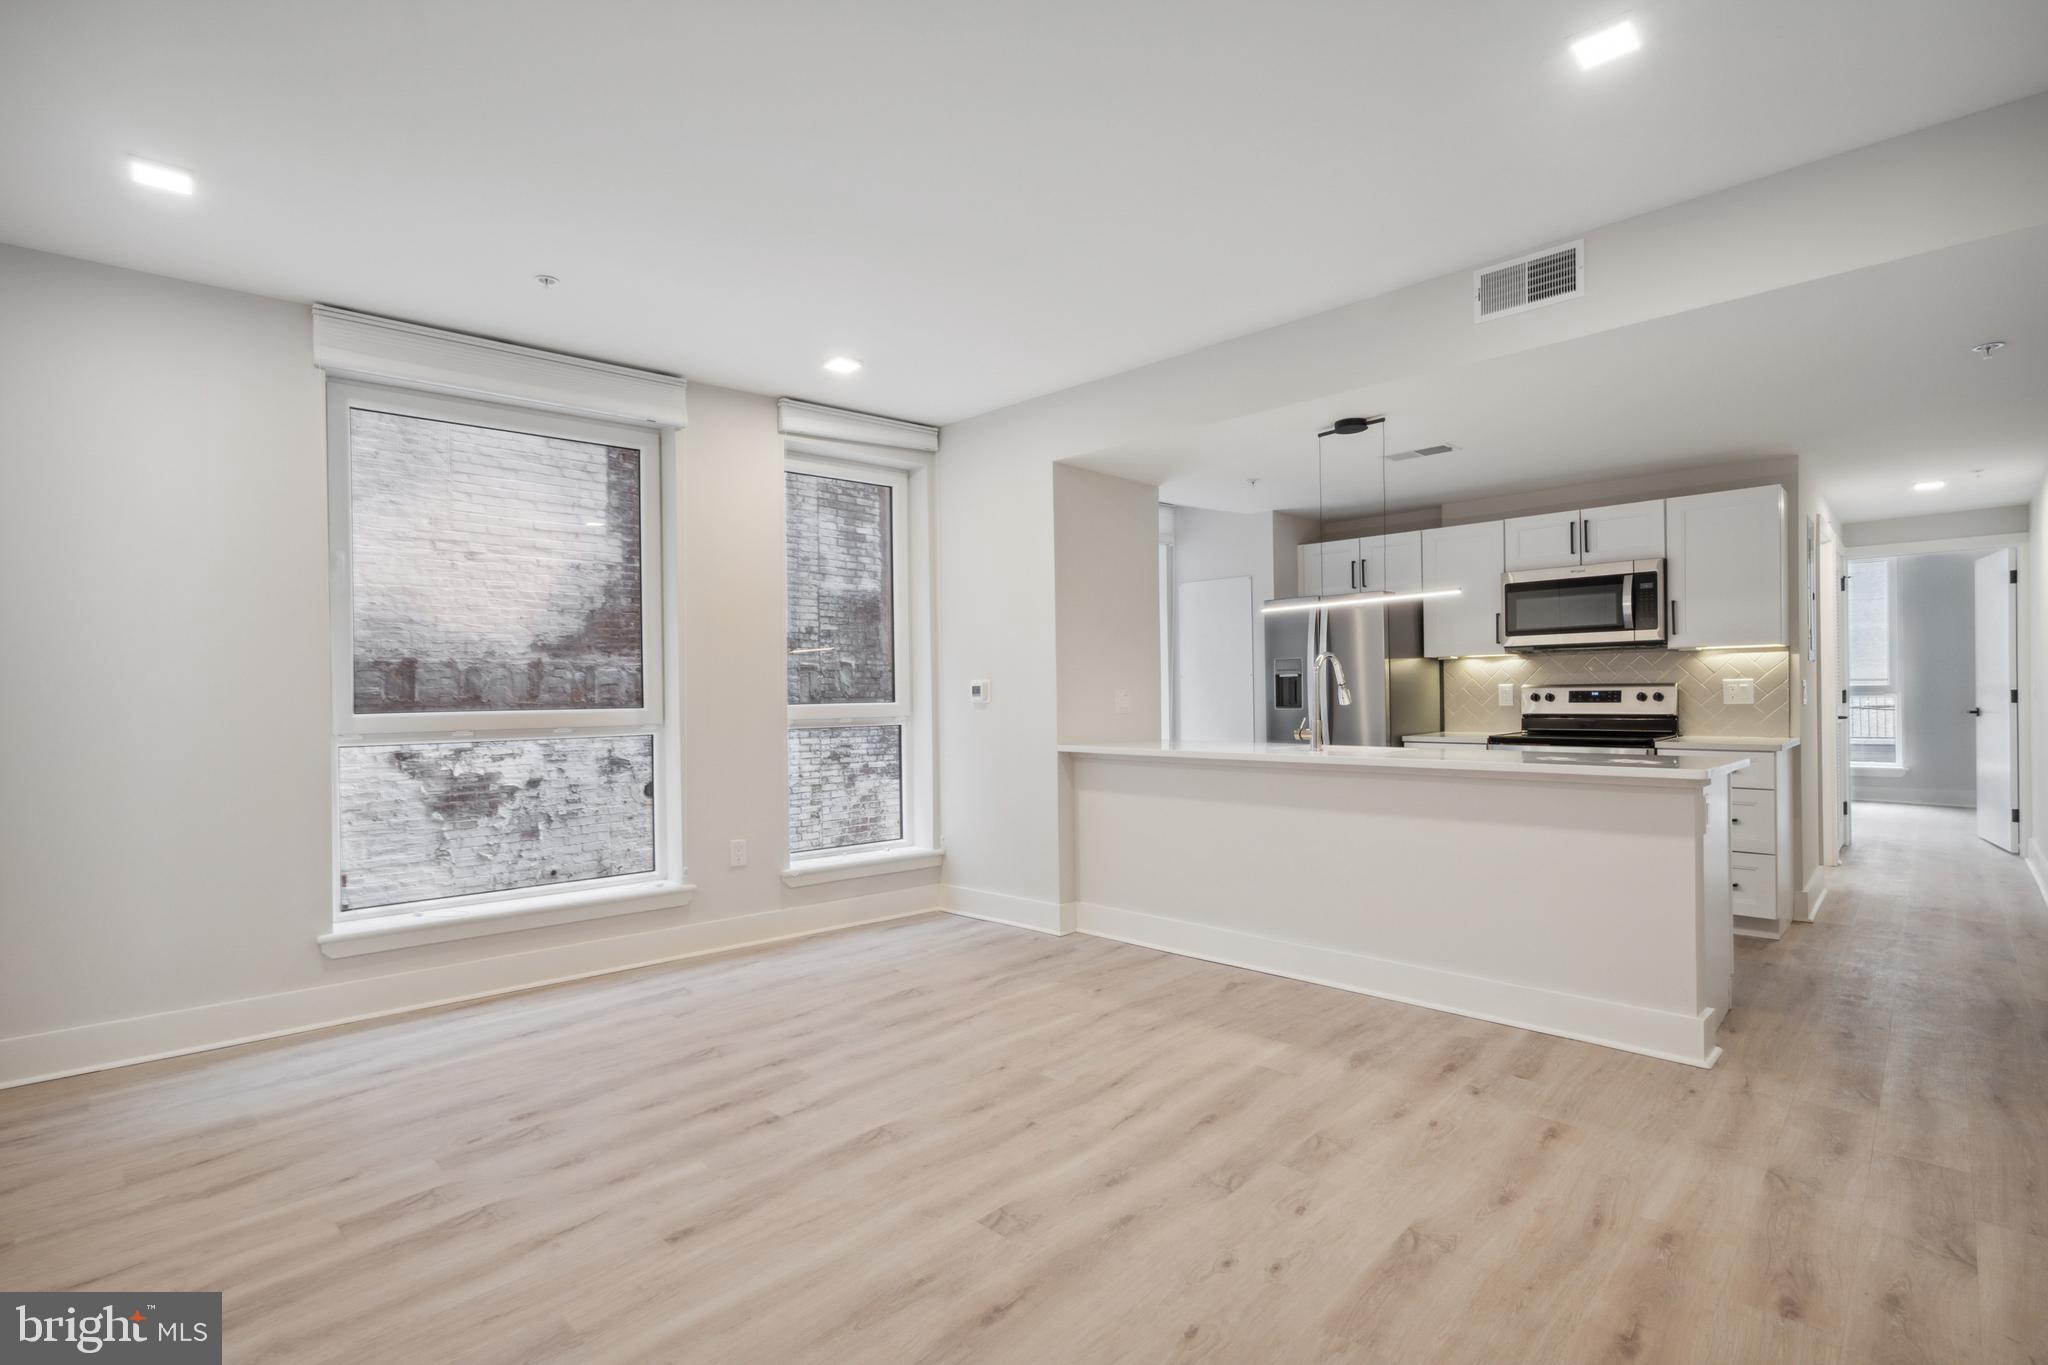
(1215, 662)
(1997, 704)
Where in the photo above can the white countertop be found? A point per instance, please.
(1451, 737)
(1764, 744)
(1681, 769)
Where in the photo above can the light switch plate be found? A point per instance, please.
(977, 691)
(1123, 702)
(1738, 691)
(1507, 694)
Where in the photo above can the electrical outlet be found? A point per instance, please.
(739, 853)
(1123, 702)
(1506, 692)
(1738, 691)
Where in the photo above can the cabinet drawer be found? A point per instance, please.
(1752, 821)
(1760, 775)
(1753, 885)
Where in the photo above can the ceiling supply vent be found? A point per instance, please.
(1419, 453)
(1530, 281)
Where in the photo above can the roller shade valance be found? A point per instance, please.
(387, 351)
(813, 420)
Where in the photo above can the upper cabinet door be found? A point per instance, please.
(1725, 557)
(1391, 563)
(1633, 530)
(1546, 542)
(1328, 568)
(1469, 559)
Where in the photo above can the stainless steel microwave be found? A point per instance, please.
(1583, 606)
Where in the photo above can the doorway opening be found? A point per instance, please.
(1927, 696)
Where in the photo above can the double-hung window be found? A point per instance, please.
(500, 709)
(848, 672)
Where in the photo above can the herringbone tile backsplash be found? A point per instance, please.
(1471, 686)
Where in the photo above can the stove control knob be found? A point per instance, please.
(1642, 696)
(1658, 696)
(1550, 696)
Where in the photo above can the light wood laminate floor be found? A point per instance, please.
(948, 1141)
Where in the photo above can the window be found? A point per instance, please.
(1874, 738)
(847, 671)
(499, 651)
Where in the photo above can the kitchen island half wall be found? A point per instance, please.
(1587, 898)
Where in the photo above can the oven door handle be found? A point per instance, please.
(1628, 601)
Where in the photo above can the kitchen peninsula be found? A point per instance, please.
(1582, 896)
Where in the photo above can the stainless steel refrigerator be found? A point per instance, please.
(1394, 690)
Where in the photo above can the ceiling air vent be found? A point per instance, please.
(1530, 281)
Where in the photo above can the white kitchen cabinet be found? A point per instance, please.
(1550, 541)
(1391, 563)
(1468, 558)
(1328, 567)
(1761, 854)
(1591, 535)
(1725, 565)
(1630, 530)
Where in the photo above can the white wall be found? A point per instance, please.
(165, 812)
(1936, 597)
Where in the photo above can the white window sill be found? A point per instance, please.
(1880, 767)
(814, 871)
(381, 933)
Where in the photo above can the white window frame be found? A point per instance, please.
(666, 885)
(907, 475)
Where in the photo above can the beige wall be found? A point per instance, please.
(163, 529)
(1106, 607)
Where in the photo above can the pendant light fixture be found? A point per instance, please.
(1352, 426)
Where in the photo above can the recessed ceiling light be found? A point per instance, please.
(842, 364)
(1615, 41)
(1930, 486)
(158, 176)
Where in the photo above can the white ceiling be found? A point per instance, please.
(982, 202)
(1868, 374)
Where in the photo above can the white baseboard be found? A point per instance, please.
(144, 1038)
(1914, 796)
(1047, 917)
(1810, 898)
(1631, 1028)
(2038, 865)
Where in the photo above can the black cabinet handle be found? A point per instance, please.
(1354, 575)
(1976, 711)
(1673, 629)
(1575, 535)
(1498, 637)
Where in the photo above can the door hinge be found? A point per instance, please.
(2015, 815)
(2015, 696)
(1845, 808)
(2013, 576)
